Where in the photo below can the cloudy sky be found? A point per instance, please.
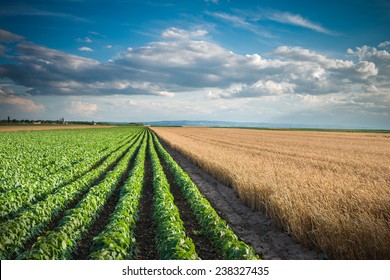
(298, 62)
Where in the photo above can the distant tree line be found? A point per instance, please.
(8, 120)
(59, 121)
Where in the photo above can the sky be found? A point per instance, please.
(283, 62)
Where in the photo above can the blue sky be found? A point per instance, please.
(306, 62)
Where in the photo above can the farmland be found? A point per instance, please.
(329, 190)
(107, 193)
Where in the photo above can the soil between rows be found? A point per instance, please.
(145, 233)
(253, 227)
(203, 246)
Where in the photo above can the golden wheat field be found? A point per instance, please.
(327, 189)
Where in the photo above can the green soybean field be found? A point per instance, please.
(104, 194)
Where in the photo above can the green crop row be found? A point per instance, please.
(117, 240)
(215, 228)
(14, 199)
(30, 157)
(60, 243)
(172, 242)
(16, 232)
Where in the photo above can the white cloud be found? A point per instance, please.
(26, 10)
(384, 44)
(299, 54)
(257, 89)
(367, 69)
(235, 20)
(240, 22)
(8, 37)
(97, 34)
(212, 1)
(42, 57)
(81, 108)
(295, 19)
(173, 54)
(176, 33)
(315, 73)
(109, 46)
(85, 49)
(250, 20)
(84, 40)
(367, 53)
(166, 93)
(371, 61)
(23, 104)
(6, 91)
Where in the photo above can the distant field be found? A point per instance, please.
(6, 128)
(327, 189)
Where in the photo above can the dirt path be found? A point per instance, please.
(145, 232)
(253, 227)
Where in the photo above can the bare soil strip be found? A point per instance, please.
(253, 227)
(203, 246)
(145, 230)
